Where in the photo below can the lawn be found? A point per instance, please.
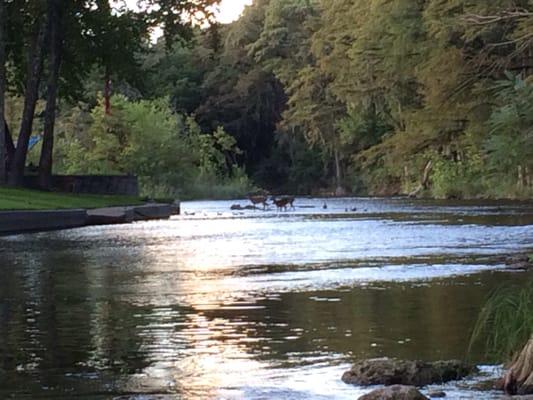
(23, 199)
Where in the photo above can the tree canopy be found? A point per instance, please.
(366, 96)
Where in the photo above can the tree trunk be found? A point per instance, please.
(3, 152)
(9, 144)
(56, 46)
(520, 182)
(519, 378)
(424, 181)
(339, 189)
(16, 170)
(107, 94)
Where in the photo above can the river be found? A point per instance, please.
(220, 304)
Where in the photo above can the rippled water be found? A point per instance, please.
(250, 305)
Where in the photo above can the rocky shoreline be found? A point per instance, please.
(390, 371)
(17, 222)
(397, 379)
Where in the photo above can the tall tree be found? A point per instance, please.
(3, 153)
(34, 73)
(284, 47)
(106, 35)
(55, 17)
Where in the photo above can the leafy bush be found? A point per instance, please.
(167, 151)
(215, 187)
(457, 179)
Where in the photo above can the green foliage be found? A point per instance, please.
(457, 179)
(505, 323)
(167, 151)
(235, 186)
(304, 94)
(509, 145)
(361, 129)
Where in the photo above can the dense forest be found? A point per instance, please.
(421, 97)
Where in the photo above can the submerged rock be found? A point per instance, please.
(520, 262)
(487, 385)
(436, 394)
(395, 392)
(238, 207)
(389, 371)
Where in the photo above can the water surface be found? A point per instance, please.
(217, 304)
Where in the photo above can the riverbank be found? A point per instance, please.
(23, 211)
(15, 199)
(16, 222)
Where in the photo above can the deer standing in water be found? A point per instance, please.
(259, 199)
(283, 202)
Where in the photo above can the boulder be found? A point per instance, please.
(389, 371)
(395, 392)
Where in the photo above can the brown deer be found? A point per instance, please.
(283, 202)
(259, 199)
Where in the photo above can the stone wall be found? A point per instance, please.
(127, 185)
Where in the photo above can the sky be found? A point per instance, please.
(228, 10)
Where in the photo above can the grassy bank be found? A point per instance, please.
(23, 199)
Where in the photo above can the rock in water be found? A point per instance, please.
(389, 371)
(436, 394)
(395, 392)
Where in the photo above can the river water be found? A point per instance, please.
(216, 304)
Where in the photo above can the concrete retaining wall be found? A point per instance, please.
(34, 221)
(152, 211)
(12, 222)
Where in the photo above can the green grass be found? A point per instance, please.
(23, 199)
(505, 323)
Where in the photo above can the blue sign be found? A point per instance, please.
(33, 141)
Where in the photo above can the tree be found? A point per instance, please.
(284, 47)
(364, 93)
(3, 153)
(35, 66)
(97, 33)
(55, 18)
(242, 96)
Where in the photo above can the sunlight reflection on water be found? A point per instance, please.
(249, 305)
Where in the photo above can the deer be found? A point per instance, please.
(259, 199)
(283, 202)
